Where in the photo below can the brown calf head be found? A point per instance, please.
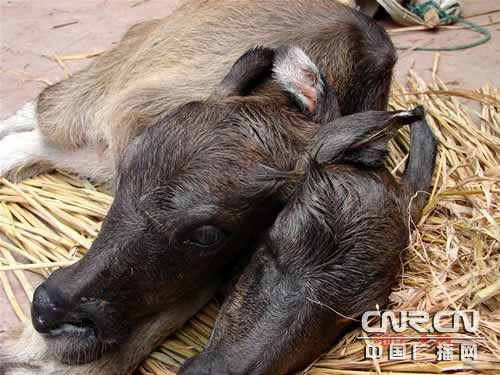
(192, 192)
(332, 253)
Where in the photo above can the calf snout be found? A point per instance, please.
(53, 314)
(47, 310)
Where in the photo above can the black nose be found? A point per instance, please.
(50, 311)
(47, 310)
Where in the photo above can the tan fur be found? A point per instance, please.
(154, 69)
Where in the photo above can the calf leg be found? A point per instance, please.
(22, 154)
(26, 154)
(24, 120)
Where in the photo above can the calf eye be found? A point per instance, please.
(206, 235)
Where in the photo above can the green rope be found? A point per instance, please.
(423, 8)
(446, 18)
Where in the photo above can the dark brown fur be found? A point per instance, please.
(333, 252)
(190, 157)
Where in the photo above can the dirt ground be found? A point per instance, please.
(32, 30)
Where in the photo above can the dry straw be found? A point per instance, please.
(453, 261)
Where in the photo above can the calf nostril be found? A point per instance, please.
(46, 310)
(50, 315)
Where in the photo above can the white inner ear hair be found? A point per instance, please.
(298, 75)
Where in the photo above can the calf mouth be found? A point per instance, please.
(83, 328)
(76, 343)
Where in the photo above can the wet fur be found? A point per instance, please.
(333, 252)
(163, 75)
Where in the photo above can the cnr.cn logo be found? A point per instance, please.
(446, 321)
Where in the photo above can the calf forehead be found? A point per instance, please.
(173, 139)
(211, 141)
(352, 188)
(337, 205)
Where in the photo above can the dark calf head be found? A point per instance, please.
(332, 253)
(192, 192)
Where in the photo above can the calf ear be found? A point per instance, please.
(291, 68)
(253, 67)
(296, 73)
(361, 138)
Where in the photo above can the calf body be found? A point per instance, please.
(84, 123)
(188, 141)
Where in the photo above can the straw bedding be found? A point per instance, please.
(453, 261)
